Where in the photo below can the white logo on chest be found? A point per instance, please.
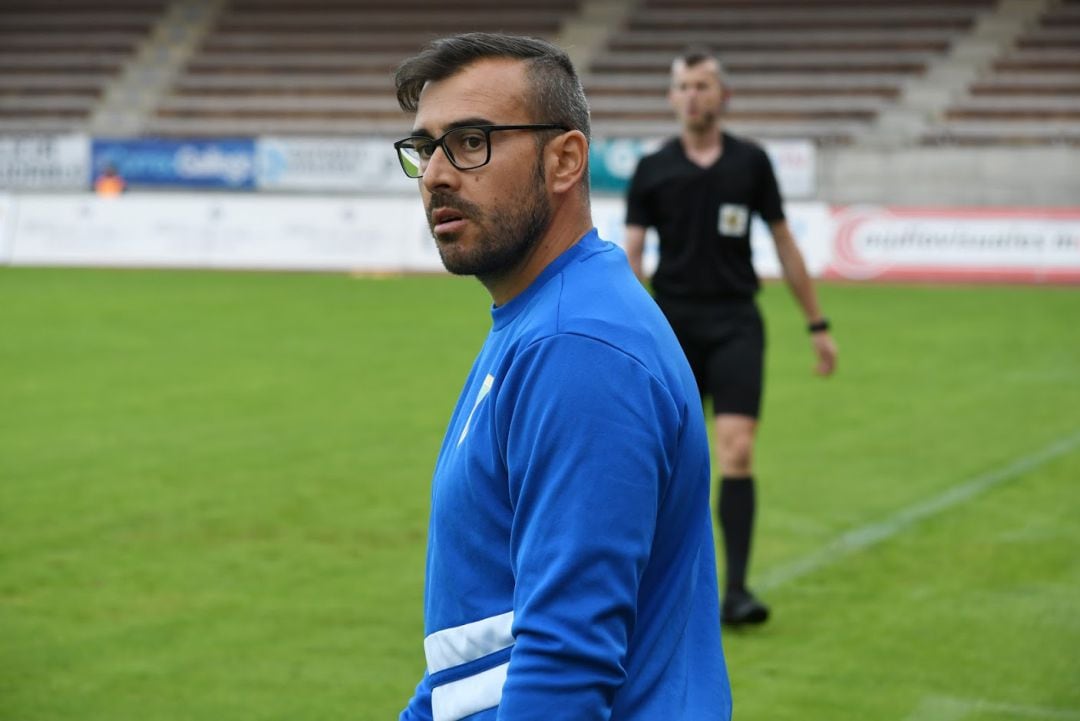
(733, 219)
(484, 390)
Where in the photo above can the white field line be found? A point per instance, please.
(947, 708)
(863, 537)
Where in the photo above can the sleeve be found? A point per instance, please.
(637, 199)
(587, 448)
(770, 205)
(419, 708)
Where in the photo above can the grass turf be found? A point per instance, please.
(213, 496)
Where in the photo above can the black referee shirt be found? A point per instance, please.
(702, 216)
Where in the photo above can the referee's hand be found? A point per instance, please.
(825, 348)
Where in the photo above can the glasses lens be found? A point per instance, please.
(467, 147)
(409, 156)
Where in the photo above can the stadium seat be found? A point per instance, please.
(57, 57)
(823, 72)
(1030, 94)
(323, 68)
(828, 72)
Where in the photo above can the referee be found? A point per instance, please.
(699, 191)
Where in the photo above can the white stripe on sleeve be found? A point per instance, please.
(458, 699)
(462, 644)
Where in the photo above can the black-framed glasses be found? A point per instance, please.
(467, 147)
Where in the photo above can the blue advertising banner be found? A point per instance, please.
(612, 162)
(178, 163)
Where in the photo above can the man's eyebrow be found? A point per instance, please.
(463, 123)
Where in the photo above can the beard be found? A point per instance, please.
(505, 235)
(705, 121)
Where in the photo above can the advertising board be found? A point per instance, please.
(142, 162)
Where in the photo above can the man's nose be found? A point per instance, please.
(439, 172)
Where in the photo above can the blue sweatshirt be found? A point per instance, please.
(570, 569)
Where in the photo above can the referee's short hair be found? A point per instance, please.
(696, 55)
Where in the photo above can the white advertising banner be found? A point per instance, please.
(44, 162)
(7, 217)
(957, 244)
(328, 164)
(795, 163)
(383, 234)
(371, 234)
(811, 223)
(609, 217)
(124, 231)
(389, 233)
(224, 231)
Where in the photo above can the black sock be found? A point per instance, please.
(736, 513)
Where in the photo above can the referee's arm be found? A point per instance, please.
(798, 279)
(634, 245)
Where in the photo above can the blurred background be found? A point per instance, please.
(958, 103)
(214, 484)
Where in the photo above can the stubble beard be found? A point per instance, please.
(703, 123)
(505, 237)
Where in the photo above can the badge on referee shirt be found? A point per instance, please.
(733, 219)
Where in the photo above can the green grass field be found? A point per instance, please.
(213, 498)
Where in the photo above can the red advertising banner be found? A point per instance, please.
(991, 245)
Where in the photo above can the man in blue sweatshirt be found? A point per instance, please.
(570, 570)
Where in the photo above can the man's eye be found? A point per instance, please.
(424, 150)
(472, 142)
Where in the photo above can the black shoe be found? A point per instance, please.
(742, 607)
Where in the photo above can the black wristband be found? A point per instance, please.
(818, 326)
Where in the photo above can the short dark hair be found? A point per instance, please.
(697, 54)
(557, 96)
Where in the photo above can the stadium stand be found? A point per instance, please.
(58, 56)
(875, 83)
(1030, 93)
(824, 71)
(322, 68)
(840, 72)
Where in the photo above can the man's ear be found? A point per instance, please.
(567, 159)
(725, 98)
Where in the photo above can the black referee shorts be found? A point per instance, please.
(724, 340)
